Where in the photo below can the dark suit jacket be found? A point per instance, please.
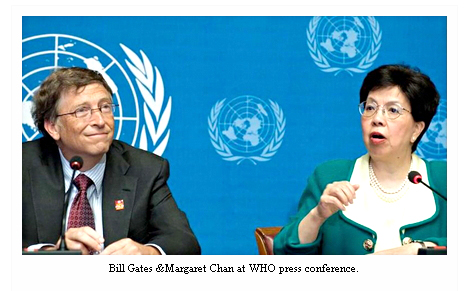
(150, 214)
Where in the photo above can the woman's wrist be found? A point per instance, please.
(315, 216)
(419, 244)
(308, 228)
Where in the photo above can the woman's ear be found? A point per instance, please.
(419, 127)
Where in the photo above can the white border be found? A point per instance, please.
(384, 273)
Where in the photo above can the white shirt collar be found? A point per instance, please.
(95, 174)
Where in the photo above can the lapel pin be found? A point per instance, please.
(119, 204)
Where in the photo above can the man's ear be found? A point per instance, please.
(52, 129)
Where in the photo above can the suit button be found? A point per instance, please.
(407, 240)
(368, 244)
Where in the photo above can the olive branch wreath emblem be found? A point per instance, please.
(223, 150)
(151, 87)
(322, 62)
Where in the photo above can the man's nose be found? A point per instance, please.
(97, 117)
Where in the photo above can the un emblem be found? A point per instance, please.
(43, 53)
(344, 44)
(246, 128)
(433, 143)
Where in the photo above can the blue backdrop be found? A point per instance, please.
(244, 108)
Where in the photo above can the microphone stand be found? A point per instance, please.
(64, 212)
(416, 178)
(62, 249)
(443, 197)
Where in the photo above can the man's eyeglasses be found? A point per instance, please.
(390, 110)
(86, 112)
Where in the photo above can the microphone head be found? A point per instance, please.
(76, 163)
(415, 177)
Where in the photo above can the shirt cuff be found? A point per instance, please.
(36, 247)
(157, 247)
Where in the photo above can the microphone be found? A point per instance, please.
(75, 163)
(416, 178)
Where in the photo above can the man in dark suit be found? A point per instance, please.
(133, 209)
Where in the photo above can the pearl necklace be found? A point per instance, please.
(387, 196)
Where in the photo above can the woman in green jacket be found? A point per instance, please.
(368, 205)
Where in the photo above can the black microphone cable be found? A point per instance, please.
(75, 163)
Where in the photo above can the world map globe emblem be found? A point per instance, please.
(342, 43)
(343, 39)
(433, 145)
(246, 128)
(246, 124)
(44, 53)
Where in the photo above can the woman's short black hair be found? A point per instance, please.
(416, 86)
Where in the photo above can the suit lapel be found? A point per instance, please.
(48, 195)
(117, 187)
